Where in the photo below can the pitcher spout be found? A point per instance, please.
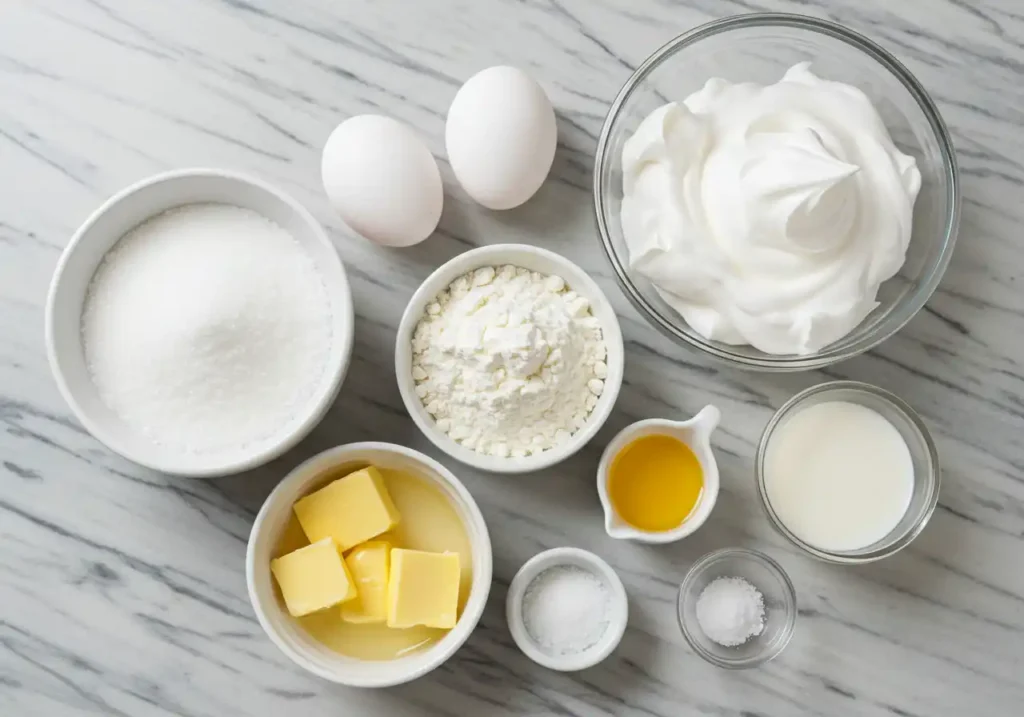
(706, 421)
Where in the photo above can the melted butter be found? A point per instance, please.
(429, 521)
(655, 482)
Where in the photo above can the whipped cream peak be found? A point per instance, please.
(768, 215)
(795, 191)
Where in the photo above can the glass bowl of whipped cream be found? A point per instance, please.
(776, 191)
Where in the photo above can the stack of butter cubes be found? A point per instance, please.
(348, 567)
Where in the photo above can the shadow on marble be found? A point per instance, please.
(455, 231)
(561, 205)
(933, 562)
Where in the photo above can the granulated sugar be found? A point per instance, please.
(207, 328)
(566, 610)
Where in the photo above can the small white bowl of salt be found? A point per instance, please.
(566, 609)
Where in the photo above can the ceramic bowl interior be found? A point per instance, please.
(760, 48)
(270, 526)
(779, 602)
(925, 459)
(98, 235)
(535, 259)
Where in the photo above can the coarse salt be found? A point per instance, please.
(566, 610)
(730, 611)
(207, 328)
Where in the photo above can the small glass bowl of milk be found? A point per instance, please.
(848, 472)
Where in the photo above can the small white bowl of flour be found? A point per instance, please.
(509, 358)
(199, 323)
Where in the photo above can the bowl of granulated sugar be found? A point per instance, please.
(199, 323)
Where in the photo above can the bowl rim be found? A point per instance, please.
(475, 605)
(586, 560)
(318, 406)
(912, 417)
(438, 280)
(827, 356)
(746, 554)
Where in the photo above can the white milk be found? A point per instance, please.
(839, 475)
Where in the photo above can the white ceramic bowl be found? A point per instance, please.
(286, 632)
(103, 229)
(535, 259)
(581, 559)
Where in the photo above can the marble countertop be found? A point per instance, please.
(123, 591)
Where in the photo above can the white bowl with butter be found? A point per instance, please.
(275, 519)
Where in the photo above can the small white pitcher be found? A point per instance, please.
(695, 433)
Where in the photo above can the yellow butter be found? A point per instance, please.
(313, 578)
(368, 564)
(423, 589)
(351, 510)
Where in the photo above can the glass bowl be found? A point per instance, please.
(779, 607)
(760, 48)
(925, 494)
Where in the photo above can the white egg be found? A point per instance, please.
(501, 136)
(383, 181)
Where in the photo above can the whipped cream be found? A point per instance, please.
(768, 215)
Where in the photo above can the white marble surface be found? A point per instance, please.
(122, 591)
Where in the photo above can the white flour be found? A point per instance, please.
(509, 362)
(207, 328)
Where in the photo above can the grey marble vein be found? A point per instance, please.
(123, 590)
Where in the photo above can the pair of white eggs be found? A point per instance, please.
(500, 136)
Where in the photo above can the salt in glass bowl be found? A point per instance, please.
(779, 607)
(925, 459)
(759, 48)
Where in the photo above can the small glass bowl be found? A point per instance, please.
(905, 419)
(779, 607)
(760, 47)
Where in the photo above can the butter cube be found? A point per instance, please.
(351, 510)
(313, 578)
(423, 589)
(368, 564)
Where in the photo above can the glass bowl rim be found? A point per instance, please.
(888, 325)
(912, 417)
(746, 554)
